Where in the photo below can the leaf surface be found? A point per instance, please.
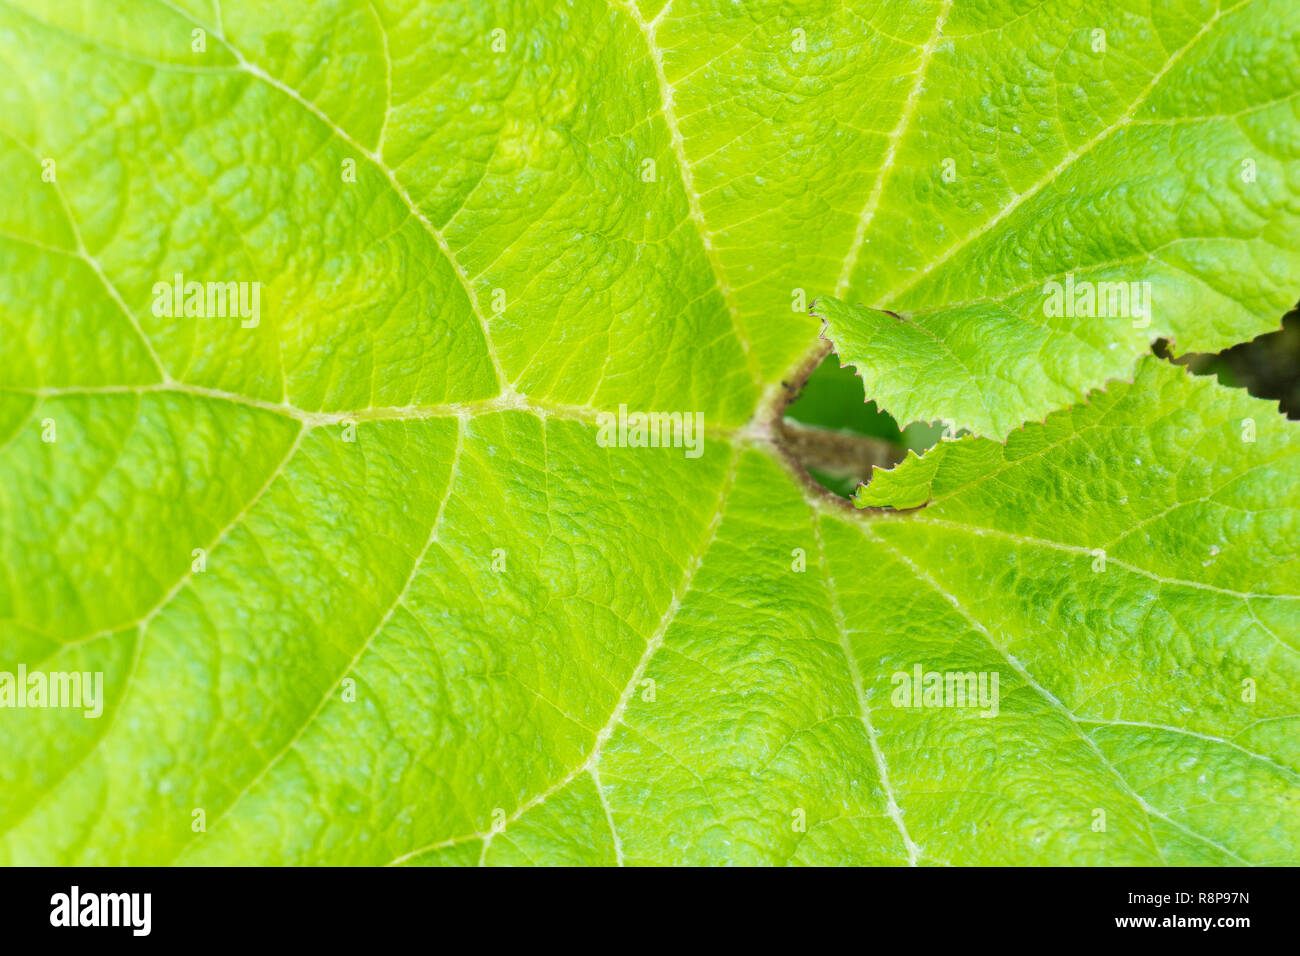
(1145, 158)
(438, 622)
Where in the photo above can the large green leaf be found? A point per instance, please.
(1143, 156)
(435, 620)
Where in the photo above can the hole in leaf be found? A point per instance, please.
(1267, 367)
(838, 436)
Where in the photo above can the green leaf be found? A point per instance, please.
(1153, 182)
(906, 485)
(366, 587)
